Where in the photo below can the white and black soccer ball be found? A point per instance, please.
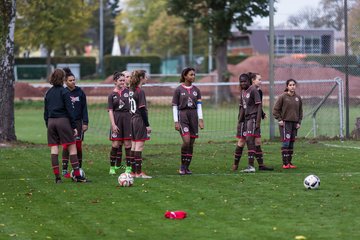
(312, 182)
(125, 180)
(82, 173)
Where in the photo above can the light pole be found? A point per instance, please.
(271, 68)
(101, 40)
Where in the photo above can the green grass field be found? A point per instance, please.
(220, 204)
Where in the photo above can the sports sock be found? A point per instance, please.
(259, 155)
(119, 156)
(132, 161)
(55, 164)
(79, 152)
(285, 156)
(65, 158)
(128, 156)
(138, 161)
(75, 164)
(113, 156)
(238, 154)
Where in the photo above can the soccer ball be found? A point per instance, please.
(82, 173)
(125, 180)
(312, 182)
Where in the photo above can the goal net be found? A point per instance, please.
(322, 103)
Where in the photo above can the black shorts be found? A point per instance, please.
(288, 132)
(189, 123)
(251, 129)
(123, 122)
(80, 136)
(241, 131)
(138, 129)
(59, 132)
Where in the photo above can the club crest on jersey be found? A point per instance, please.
(186, 129)
(297, 99)
(131, 94)
(121, 104)
(247, 95)
(113, 135)
(126, 95)
(195, 94)
(287, 136)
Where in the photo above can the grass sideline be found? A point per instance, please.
(220, 204)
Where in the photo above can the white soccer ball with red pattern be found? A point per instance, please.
(125, 180)
(312, 182)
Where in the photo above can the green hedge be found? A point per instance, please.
(87, 65)
(118, 63)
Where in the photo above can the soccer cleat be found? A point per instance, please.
(265, 168)
(188, 171)
(120, 167)
(249, 169)
(112, 171)
(182, 171)
(128, 170)
(235, 167)
(81, 179)
(142, 175)
(58, 180)
(287, 166)
(292, 166)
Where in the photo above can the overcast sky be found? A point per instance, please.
(286, 8)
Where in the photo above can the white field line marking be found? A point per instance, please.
(339, 146)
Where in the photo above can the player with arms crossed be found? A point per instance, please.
(289, 112)
(120, 118)
(188, 116)
(140, 127)
(78, 99)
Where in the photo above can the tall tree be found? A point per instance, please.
(329, 14)
(217, 17)
(7, 79)
(56, 25)
(354, 28)
(135, 20)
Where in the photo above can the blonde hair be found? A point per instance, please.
(136, 77)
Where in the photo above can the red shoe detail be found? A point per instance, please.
(67, 175)
(286, 166)
(292, 166)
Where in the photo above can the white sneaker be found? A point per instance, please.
(249, 169)
(142, 175)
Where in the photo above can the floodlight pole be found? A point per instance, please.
(101, 41)
(347, 132)
(191, 45)
(271, 69)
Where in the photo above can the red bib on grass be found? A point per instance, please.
(175, 214)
